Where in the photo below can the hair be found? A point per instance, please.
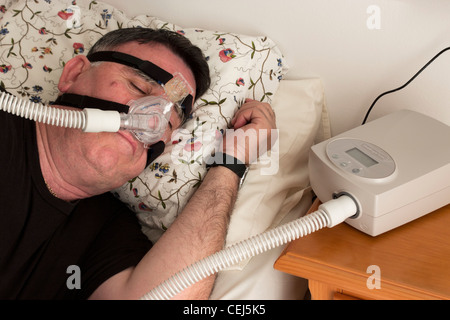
(177, 43)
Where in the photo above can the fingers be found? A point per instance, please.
(256, 113)
(254, 131)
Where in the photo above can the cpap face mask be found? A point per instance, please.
(147, 118)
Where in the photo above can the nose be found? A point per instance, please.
(154, 122)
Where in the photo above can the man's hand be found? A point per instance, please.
(253, 132)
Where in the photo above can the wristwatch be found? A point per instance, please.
(230, 162)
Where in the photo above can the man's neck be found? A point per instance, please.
(54, 178)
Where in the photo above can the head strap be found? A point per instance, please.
(150, 69)
(81, 102)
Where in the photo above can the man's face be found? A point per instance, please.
(111, 159)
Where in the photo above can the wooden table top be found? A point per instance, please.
(414, 257)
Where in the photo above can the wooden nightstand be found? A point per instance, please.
(410, 262)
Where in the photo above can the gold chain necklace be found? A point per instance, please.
(50, 189)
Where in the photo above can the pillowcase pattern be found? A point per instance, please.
(38, 37)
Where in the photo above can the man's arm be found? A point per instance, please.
(199, 230)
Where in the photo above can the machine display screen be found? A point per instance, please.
(360, 156)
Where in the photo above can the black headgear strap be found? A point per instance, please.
(80, 102)
(150, 69)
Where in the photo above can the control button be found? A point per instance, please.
(356, 170)
(344, 164)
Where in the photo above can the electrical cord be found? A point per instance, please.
(329, 214)
(403, 86)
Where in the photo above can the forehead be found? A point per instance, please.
(162, 57)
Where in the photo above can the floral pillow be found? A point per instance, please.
(38, 37)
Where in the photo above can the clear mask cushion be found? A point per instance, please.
(148, 118)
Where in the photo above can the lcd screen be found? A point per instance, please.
(360, 156)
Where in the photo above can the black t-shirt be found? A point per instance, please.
(49, 246)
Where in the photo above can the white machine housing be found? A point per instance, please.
(396, 167)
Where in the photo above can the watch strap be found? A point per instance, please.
(227, 161)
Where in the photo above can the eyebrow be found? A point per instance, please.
(144, 76)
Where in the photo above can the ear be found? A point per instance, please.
(73, 68)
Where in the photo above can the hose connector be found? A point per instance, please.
(339, 209)
(101, 120)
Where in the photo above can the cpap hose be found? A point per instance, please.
(42, 113)
(88, 119)
(329, 214)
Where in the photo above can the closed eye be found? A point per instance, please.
(138, 89)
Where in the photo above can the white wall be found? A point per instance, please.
(330, 39)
